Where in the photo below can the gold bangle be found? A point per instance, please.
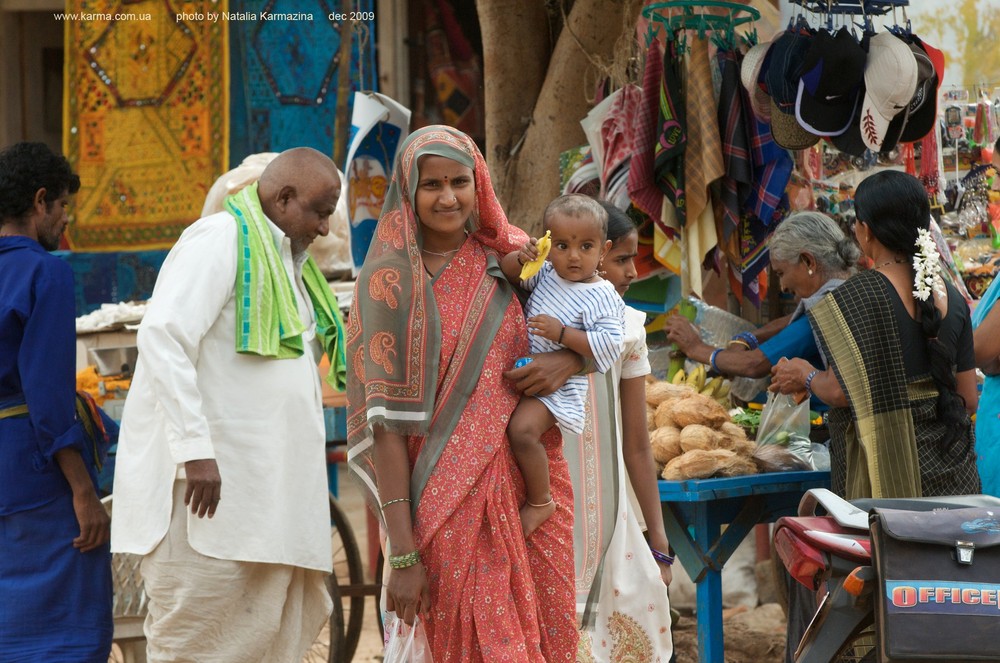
(738, 341)
(404, 561)
(398, 499)
(539, 506)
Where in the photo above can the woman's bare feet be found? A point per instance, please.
(532, 516)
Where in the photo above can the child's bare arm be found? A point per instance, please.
(512, 263)
(551, 328)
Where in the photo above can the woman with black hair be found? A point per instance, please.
(901, 382)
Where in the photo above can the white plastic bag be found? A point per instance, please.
(785, 422)
(405, 644)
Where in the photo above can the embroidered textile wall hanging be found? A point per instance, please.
(284, 72)
(146, 118)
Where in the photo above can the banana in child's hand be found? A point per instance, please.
(543, 245)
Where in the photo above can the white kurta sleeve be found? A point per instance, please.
(194, 284)
(635, 357)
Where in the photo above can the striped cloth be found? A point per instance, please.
(888, 440)
(594, 307)
(671, 136)
(703, 159)
(733, 118)
(772, 168)
(641, 186)
(267, 316)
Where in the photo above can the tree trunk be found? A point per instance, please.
(530, 178)
(516, 50)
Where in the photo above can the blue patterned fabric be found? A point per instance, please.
(283, 74)
(112, 277)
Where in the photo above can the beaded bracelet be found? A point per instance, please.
(711, 360)
(748, 338)
(398, 499)
(809, 380)
(404, 561)
(662, 558)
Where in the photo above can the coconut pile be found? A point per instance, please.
(693, 437)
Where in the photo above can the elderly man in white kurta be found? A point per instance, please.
(221, 477)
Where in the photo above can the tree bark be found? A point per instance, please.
(516, 50)
(530, 179)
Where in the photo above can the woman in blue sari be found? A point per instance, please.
(986, 339)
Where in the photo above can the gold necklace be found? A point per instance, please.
(889, 262)
(444, 254)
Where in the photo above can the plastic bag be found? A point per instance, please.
(785, 422)
(717, 328)
(405, 644)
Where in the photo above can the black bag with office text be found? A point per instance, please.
(939, 584)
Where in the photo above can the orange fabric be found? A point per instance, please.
(145, 121)
(483, 606)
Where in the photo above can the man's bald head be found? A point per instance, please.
(298, 191)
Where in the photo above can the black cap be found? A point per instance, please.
(922, 113)
(833, 73)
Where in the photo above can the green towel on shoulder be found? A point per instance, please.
(267, 316)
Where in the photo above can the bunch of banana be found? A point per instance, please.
(696, 378)
(543, 245)
(717, 388)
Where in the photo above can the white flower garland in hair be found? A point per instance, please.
(926, 267)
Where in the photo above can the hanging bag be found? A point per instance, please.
(939, 583)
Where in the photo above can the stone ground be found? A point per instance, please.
(752, 636)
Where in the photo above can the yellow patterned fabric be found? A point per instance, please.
(145, 119)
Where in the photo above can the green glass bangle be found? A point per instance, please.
(404, 561)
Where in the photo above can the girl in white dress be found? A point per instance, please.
(621, 578)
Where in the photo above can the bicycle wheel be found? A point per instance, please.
(862, 647)
(339, 639)
(378, 595)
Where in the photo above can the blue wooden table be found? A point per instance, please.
(694, 513)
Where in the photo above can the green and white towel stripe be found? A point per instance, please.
(267, 317)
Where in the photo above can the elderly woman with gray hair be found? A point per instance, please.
(811, 256)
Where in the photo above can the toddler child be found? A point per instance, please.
(570, 306)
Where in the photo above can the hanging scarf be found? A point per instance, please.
(267, 315)
(738, 177)
(394, 337)
(668, 156)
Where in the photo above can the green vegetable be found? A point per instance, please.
(749, 420)
(782, 438)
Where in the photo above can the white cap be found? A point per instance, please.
(749, 73)
(890, 82)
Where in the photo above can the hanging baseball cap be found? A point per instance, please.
(922, 114)
(782, 82)
(890, 83)
(850, 141)
(750, 73)
(830, 87)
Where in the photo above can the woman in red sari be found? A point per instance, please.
(433, 328)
